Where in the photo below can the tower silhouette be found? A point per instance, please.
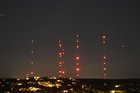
(61, 53)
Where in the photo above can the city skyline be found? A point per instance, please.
(47, 22)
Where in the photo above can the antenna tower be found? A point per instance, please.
(61, 53)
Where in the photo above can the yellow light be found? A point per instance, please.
(18, 79)
(58, 85)
(27, 78)
(54, 77)
(59, 81)
(36, 78)
(113, 91)
(118, 91)
(46, 84)
(50, 85)
(19, 84)
(65, 91)
(33, 89)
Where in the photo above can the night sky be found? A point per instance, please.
(47, 21)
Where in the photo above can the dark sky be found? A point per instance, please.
(47, 21)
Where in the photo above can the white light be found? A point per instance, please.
(71, 89)
(104, 42)
(60, 54)
(60, 62)
(32, 73)
(32, 41)
(104, 74)
(77, 40)
(117, 86)
(65, 91)
(104, 37)
(77, 58)
(77, 46)
(60, 45)
(104, 57)
(77, 63)
(104, 68)
(77, 35)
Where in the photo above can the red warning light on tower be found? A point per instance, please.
(63, 72)
(77, 58)
(77, 36)
(104, 39)
(32, 73)
(60, 54)
(77, 46)
(77, 69)
(32, 41)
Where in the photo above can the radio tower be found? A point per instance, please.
(61, 71)
(104, 39)
(77, 58)
(32, 59)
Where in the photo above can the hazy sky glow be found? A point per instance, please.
(47, 21)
